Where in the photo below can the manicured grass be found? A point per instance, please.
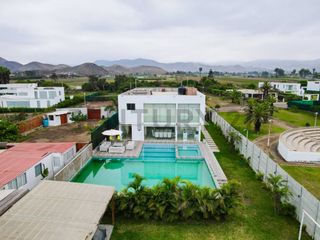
(237, 121)
(308, 176)
(255, 218)
(297, 118)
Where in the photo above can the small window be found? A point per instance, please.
(38, 169)
(56, 161)
(131, 106)
(51, 117)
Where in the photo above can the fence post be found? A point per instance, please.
(315, 225)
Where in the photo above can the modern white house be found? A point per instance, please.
(313, 86)
(293, 88)
(162, 113)
(21, 165)
(29, 95)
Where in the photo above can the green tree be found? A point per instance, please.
(8, 131)
(280, 190)
(304, 72)
(266, 87)
(279, 72)
(78, 118)
(210, 74)
(235, 96)
(4, 75)
(258, 113)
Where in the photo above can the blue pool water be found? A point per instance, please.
(156, 161)
(189, 151)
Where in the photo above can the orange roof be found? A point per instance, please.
(18, 159)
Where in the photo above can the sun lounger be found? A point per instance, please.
(114, 149)
(130, 145)
(104, 146)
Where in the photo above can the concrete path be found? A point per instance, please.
(212, 145)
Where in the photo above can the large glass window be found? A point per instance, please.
(188, 113)
(38, 169)
(43, 94)
(159, 113)
(12, 104)
(18, 182)
(52, 94)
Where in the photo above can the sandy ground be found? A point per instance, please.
(66, 133)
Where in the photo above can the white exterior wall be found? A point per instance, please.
(37, 97)
(294, 88)
(47, 162)
(313, 86)
(133, 117)
(296, 156)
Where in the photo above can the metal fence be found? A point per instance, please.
(96, 134)
(259, 161)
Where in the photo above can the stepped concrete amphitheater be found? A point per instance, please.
(300, 145)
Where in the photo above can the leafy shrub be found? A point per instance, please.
(308, 124)
(176, 199)
(259, 176)
(217, 106)
(288, 209)
(8, 131)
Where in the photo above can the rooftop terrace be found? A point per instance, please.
(189, 91)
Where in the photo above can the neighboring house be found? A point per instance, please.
(313, 86)
(21, 165)
(293, 88)
(162, 113)
(253, 93)
(59, 118)
(29, 95)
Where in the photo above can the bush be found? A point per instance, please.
(308, 124)
(8, 132)
(176, 199)
(217, 106)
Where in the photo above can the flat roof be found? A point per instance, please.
(19, 158)
(57, 210)
(158, 91)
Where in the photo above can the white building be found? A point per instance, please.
(313, 86)
(59, 118)
(30, 95)
(21, 165)
(293, 88)
(162, 113)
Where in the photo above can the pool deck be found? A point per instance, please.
(127, 154)
(213, 163)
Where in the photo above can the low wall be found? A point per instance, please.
(73, 167)
(29, 124)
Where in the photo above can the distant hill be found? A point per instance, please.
(85, 69)
(13, 66)
(37, 66)
(149, 66)
(177, 66)
(118, 69)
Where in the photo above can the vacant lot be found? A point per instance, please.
(237, 121)
(66, 133)
(296, 118)
(308, 176)
(255, 219)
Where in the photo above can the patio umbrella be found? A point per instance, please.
(111, 132)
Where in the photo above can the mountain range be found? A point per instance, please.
(148, 66)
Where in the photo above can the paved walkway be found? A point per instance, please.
(212, 145)
(213, 164)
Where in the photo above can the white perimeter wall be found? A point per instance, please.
(294, 156)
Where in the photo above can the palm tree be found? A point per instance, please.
(257, 113)
(266, 87)
(235, 96)
(280, 190)
(200, 70)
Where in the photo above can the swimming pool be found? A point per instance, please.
(156, 161)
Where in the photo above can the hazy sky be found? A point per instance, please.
(76, 31)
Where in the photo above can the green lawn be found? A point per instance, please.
(237, 121)
(255, 219)
(297, 118)
(308, 176)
